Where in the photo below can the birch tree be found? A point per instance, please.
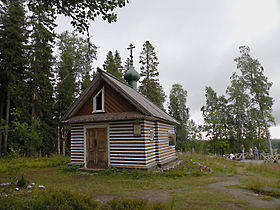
(253, 78)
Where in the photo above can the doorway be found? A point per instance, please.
(97, 148)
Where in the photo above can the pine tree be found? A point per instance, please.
(149, 85)
(113, 65)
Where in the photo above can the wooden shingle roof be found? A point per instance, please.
(145, 106)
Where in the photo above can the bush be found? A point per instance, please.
(61, 200)
(22, 182)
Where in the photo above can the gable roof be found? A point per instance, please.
(145, 106)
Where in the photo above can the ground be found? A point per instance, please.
(200, 182)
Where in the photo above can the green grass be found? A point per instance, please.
(263, 179)
(186, 184)
(200, 198)
(7, 164)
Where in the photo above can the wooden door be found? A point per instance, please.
(97, 148)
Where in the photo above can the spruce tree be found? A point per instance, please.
(40, 74)
(113, 65)
(126, 65)
(13, 63)
(149, 84)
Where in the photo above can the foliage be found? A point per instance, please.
(74, 64)
(257, 85)
(62, 200)
(241, 119)
(81, 12)
(24, 137)
(149, 84)
(22, 182)
(13, 63)
(215, 120)
(178, 109)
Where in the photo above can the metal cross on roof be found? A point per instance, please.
(130, 48)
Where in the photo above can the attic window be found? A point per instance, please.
(98, 101)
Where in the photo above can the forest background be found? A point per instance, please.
(38, 85)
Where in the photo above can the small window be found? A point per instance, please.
(152, 134)
(172, 139)
(98, 101)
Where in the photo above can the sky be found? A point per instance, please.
(196, 42)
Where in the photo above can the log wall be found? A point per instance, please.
(77, 145)
(127, 150)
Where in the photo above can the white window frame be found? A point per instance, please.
(94, 101)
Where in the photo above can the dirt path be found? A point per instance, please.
(253, 199)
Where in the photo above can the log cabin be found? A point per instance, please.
(114, 125)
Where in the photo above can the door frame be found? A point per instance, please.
(85, 141)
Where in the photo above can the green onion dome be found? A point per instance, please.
(132, 76)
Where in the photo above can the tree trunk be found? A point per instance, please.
(58, 138)
(63, 139)
(268, 138)
(7, 122)
(1, 117)
(266, 129)
(33, 108)
(243, 150)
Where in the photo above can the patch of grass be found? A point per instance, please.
(218, 165)
(263, 179)
(49, 200)
(132, 204)
(267, 169)
(185, 183)
(66, 168)
(262, 185)
(62, 199)
(16, 164)
(200, 198)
